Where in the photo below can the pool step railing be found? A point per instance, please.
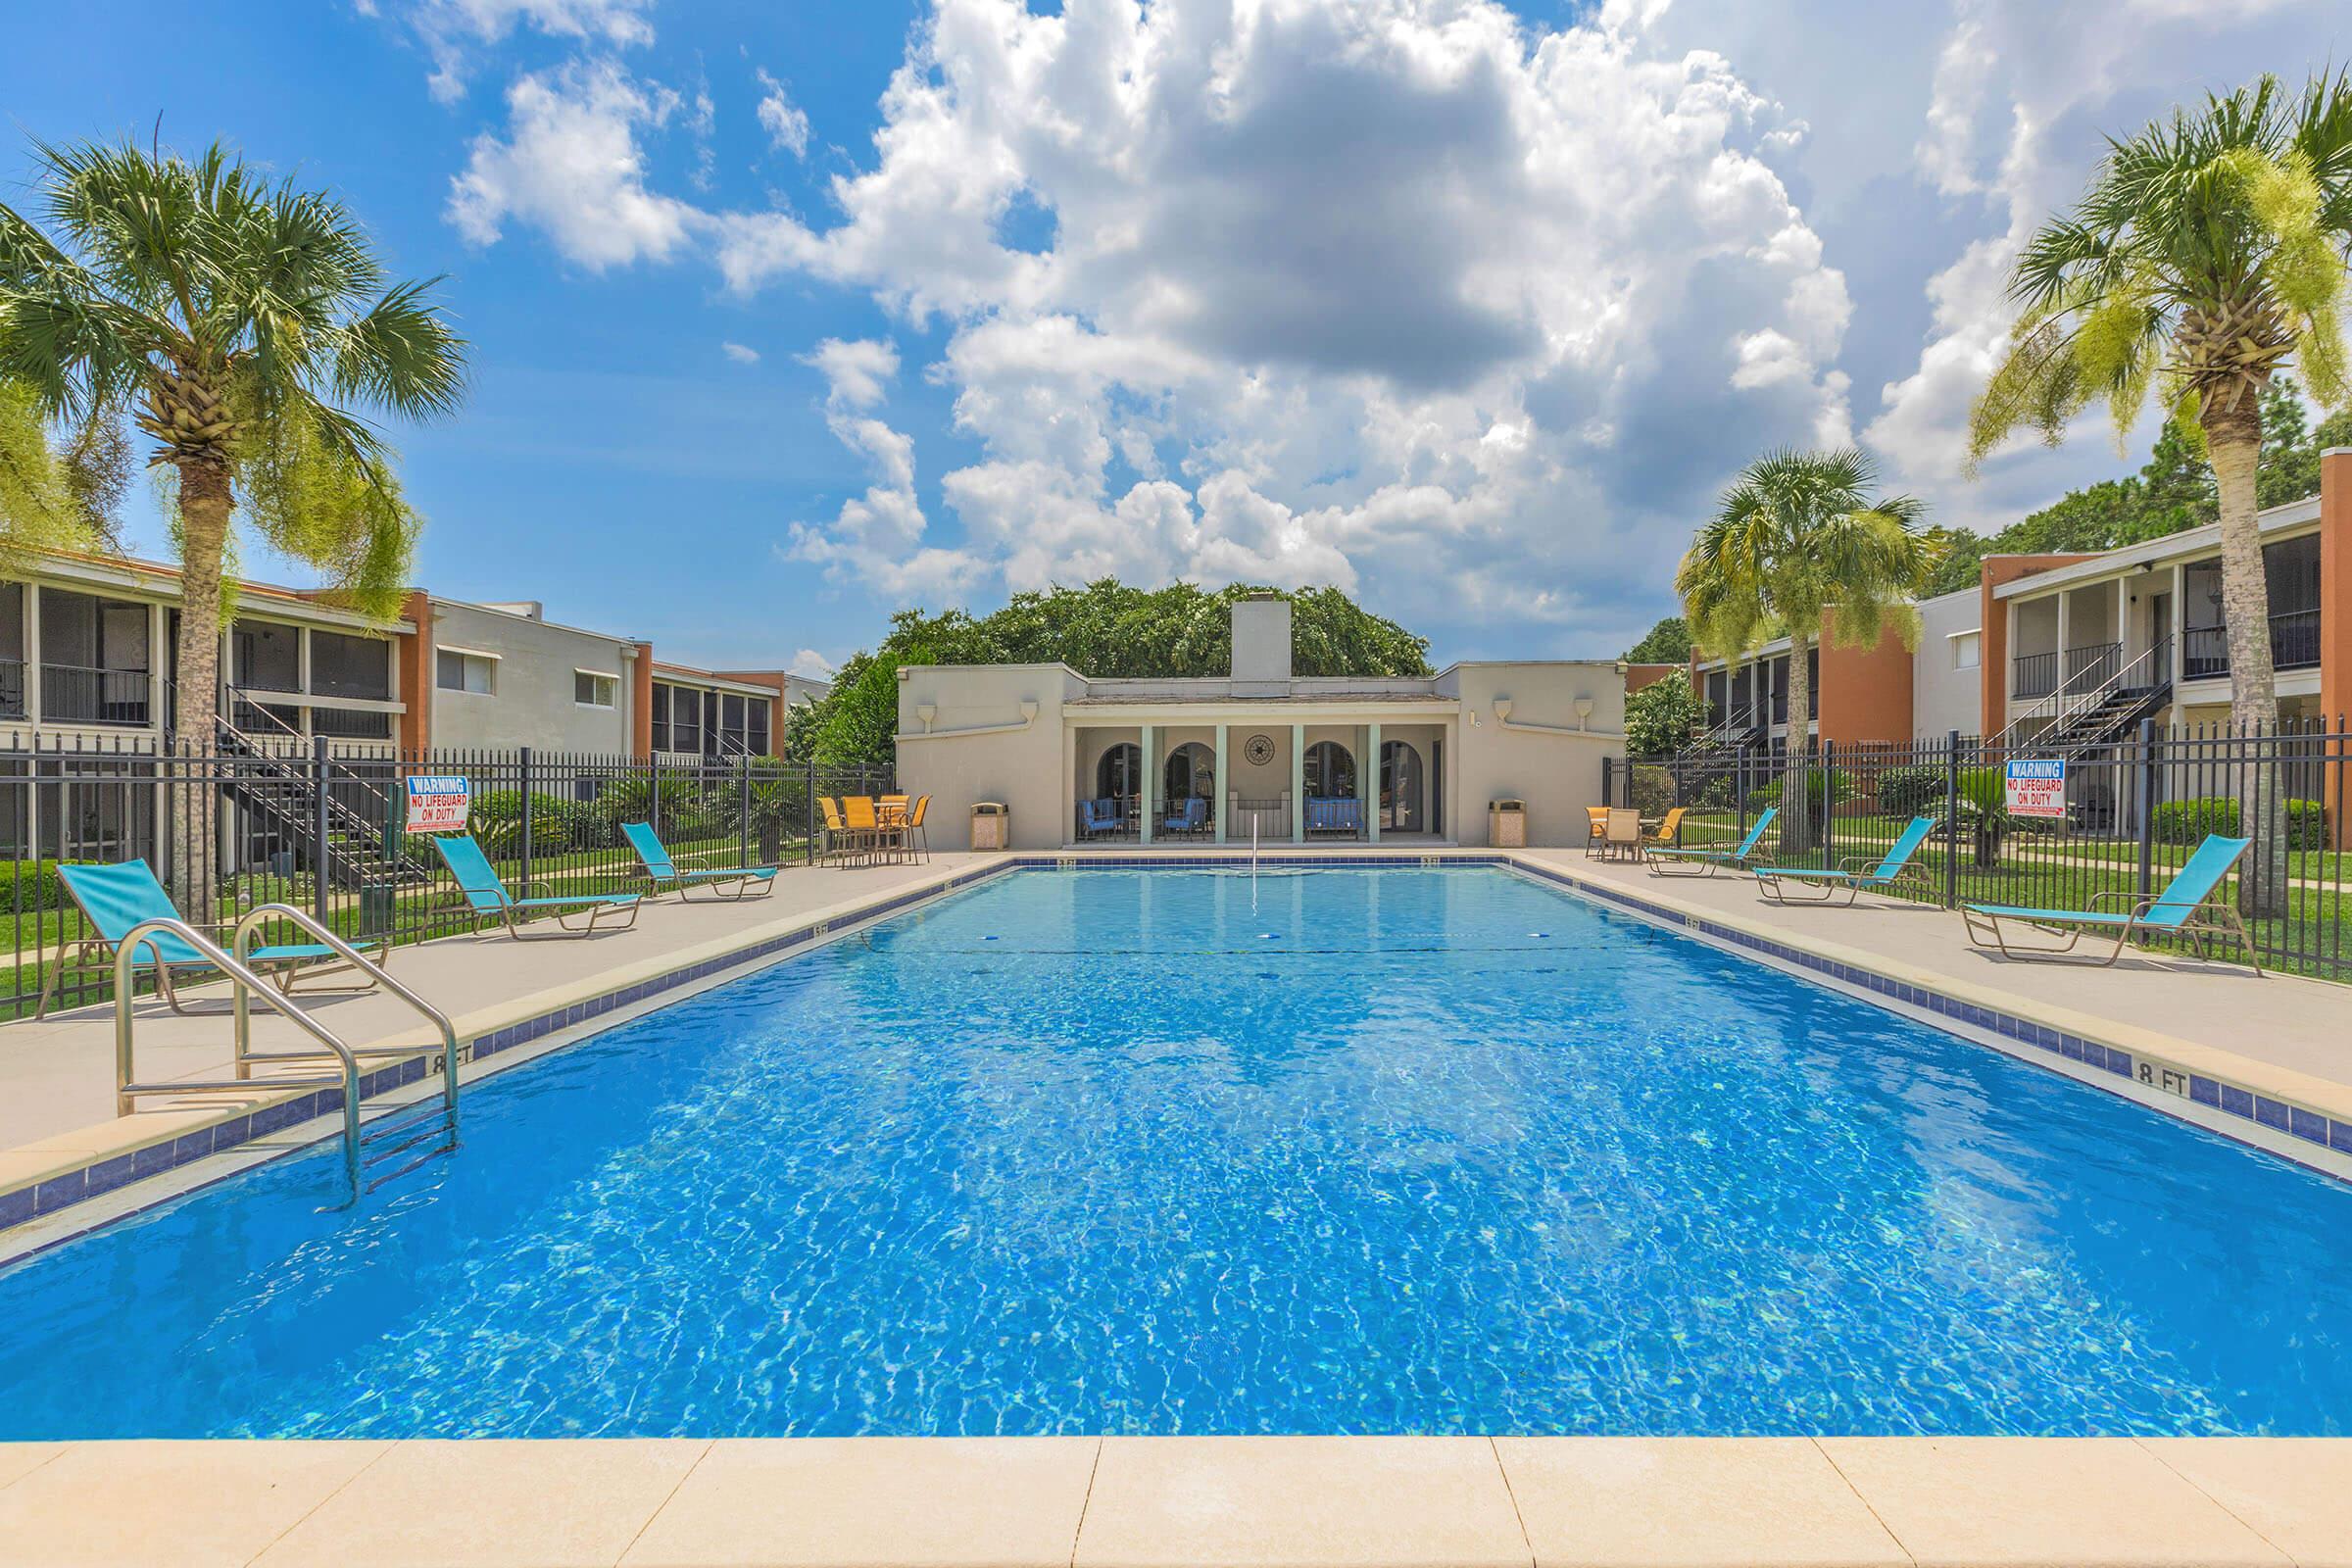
(345, 1058)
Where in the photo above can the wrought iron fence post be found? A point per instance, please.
(319, 827)
(1952, 820)
(1829, 803)
(808, 848)
(743, 815)
(1607, 780)
(523, 773)
(2147, 806)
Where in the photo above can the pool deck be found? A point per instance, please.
(1125, 1502)
(1134, 1500)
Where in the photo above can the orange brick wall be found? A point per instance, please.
(1866, 692)
(641, 702)
(1993, 715)
(1637, 676)
(416, 672)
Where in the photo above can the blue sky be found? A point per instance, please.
(786, 314)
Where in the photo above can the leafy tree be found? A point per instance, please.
(2207, 254)
(1663, 716)
(1106, 630)
(247, 328)
(1666, 643)
(1798, 535)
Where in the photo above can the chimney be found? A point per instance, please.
(1261, 646)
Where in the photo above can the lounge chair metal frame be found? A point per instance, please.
(1706, 862)
(2205, 916)
(284, 965)
(732, 883)
(492, 898)
(1856, 874)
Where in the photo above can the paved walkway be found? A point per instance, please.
(57, 1075)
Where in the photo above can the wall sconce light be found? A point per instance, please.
(926, 712)
(1584, 713)
(1502, 709)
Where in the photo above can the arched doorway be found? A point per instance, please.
(1402, 809)
(1119, 775)
(1191, 770)
(1330, 771)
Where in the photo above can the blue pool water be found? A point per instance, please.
(1370, 1150)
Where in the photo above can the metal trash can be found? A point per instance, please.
(992, 825)
(1506, 824)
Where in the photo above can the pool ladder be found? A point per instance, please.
(402, 1132)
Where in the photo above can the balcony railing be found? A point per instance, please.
(2294, 645)
(12, 688)
(2033, 675)
(351, 723)
(78, 695)
(2093, 661)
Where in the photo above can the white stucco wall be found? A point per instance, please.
(533, 705)
(1944, 699)
(1023, 767)
(1555, 769)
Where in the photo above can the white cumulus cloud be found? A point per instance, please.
(786, 124)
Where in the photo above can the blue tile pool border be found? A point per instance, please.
(2232, 1102)
(2162, 1080)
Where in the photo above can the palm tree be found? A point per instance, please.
(1801, 541)
(247, 326)
(2207, 254)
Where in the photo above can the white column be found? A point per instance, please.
(159, 666)
(1149, 793)
(1224, 791)
(1372, 756)
(1298, 783)
(33, 661)
(2066, 628)
(1070, 789)
(2178, 631)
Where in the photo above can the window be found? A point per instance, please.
(756, 735)
(592, 690)
(351, 666)
(1329, 771)
(457, 670)
(677, 718)
(1119, 775)
(1968, 649)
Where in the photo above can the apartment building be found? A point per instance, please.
(2076, 650)
(87, 646)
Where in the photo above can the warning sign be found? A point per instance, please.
(2036, 787)
(437, 803)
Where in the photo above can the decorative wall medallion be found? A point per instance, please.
(1259, 749)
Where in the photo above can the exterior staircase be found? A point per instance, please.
(272, 776)
(2095, 711)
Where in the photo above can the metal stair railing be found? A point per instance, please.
(298, 780)
(241, 940)
(2085, 690)
(347, 1057)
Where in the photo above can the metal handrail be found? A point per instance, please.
(241, 939)
(127, 1089)
(2096, 680)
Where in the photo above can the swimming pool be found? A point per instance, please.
(1174, 1151)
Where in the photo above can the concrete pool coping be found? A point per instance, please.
(1128, 1502)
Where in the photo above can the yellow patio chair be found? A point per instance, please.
(1596, 826)
(1669, 827)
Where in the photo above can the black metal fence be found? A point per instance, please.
(2126, 817)
(324, 827)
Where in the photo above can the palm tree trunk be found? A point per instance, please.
(2234, 439)
(1796, 807)
(204, 507)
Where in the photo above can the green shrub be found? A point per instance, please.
(1652, 788)
(2189, 821)
(1911, 791)
(556, 825)
(1819, 785)
(35, 882)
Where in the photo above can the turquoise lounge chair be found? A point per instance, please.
(115, 899)
(486, 894)
(1706, 862)
(2187, 906)
(735, 882)
(1856, 874)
